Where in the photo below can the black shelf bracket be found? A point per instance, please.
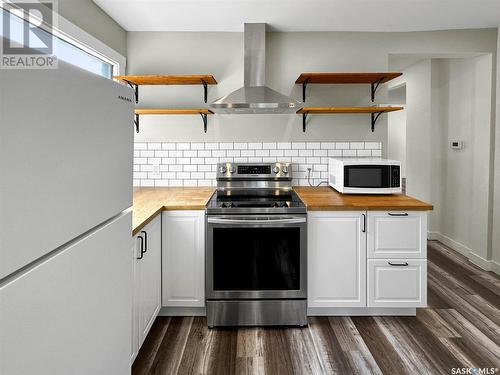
(136, 90)
(375, 86)
(304, 87)
(136, 123)
(205, 89)
(204, 117)
(375, 117)
(304, 121)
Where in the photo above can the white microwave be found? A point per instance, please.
(364, 175)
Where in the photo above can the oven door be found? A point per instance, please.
(256, 257)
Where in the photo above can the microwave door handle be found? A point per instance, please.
(297, 220)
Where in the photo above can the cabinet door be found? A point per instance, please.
(149, 272)
(336, 259)
(70, 314)
(183, 261)
(135, 299)
(397, 234)
(397, 282)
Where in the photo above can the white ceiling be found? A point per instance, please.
(303, 15)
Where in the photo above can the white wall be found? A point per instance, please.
(288, 54)
(450, 99)
(89, 17)
(496, 190)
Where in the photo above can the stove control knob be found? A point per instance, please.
(284, 170)
(223, 169)
(232, 169)
(276, 170)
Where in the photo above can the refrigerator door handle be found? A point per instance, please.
(145, 241)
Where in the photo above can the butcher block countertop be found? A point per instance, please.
(149, 201)
(327, 199)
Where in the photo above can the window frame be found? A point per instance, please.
(79, 38)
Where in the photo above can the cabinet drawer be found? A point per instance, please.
(397, 282)
(397, 234)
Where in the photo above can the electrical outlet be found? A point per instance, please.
(156, 168)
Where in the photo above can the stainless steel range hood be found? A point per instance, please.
(254, 96)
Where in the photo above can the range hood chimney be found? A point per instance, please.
(254, 96)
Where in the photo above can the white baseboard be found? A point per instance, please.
(485, 264)
(183, 311)
(361, 311)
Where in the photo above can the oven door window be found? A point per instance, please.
(256, 258)
(367, 176)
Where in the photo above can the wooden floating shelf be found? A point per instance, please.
(375, 112)
(144, 80)
(326, 110)
(374, 79)
(164, 111)
(192, 79)
(203, 112)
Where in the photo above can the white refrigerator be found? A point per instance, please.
(66, 149)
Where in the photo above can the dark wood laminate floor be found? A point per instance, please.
(460, 328)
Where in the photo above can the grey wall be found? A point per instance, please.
(288, 54)
(89, 17)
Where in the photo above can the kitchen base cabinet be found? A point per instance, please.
(147, 281)
(336, 259)
(183, 260)
(362, 262)
(397, 282)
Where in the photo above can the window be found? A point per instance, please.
(67, 49)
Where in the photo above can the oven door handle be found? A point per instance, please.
(294, 220)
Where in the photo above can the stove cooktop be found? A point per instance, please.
(224, 203)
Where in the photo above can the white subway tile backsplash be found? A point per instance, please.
(298, 145)
(240, 146)
(168, 146)
(183, 146)
(313, 145)
(269, 145)
(364, 153)
(255, 146)
(357, 145)
(211, 146)
(195, 164)
(226, 146)
(154, 146)
(284, 145)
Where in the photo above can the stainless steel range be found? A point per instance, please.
(256, 248)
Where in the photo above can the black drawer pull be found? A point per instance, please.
(403, 214)
(405, 264)
(145, 241)
(142, 247)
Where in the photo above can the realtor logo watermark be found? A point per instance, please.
(28, 41)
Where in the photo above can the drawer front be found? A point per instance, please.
(397, 282)
(397, 234)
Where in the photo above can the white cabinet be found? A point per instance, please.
(397, 282)
(70, 314)
(183, 261)
(337, 259)
(397, 234)
(147, 281)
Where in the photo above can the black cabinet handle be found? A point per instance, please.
(142, 247)
(405, 264)
(145, 241)
(364, 223)
(403, 214)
